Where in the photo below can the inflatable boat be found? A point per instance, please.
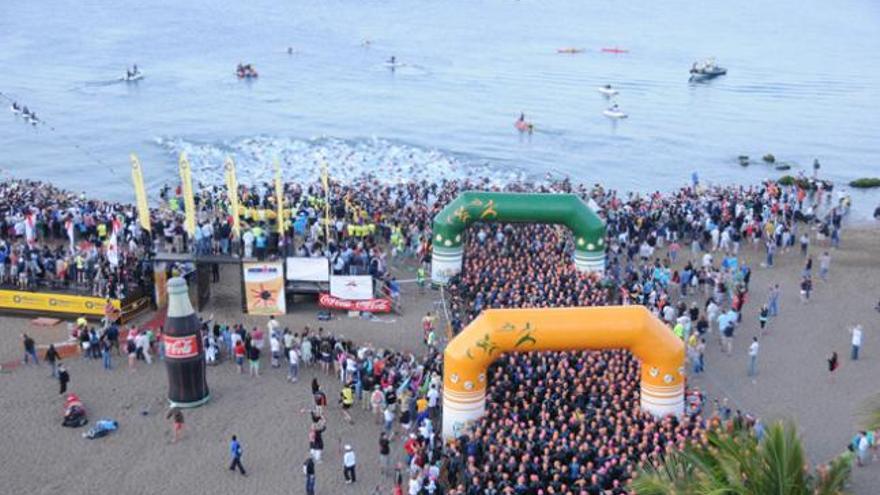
(703, 71)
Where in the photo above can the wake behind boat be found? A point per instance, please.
(705, 70)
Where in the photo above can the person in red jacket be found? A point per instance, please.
(239, 352)
(411, 446)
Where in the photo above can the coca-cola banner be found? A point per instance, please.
(369, 305)
(181, 347)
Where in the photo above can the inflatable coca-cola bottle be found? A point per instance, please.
(184, 352)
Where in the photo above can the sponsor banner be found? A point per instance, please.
(264, 288)
(54, 303)
(352, 287)
(371, 305)
(181, 347)
(308, 269)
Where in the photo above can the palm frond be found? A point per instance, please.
(737, 464)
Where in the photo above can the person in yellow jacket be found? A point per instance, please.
(80, 268)
(395, 241)
(678, 330)
(421, 278)
(346, 398)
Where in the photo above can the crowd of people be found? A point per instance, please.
(55, 240)
(570, 421)
(399, 390)
(565, 422)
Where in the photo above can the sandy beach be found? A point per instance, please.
(42, 457)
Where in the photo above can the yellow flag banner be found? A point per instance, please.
(189, 201)
(140, 194)
(279, 199)
(232, 193)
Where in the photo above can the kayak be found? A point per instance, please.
(614, 114)
(607, 91)
(614, 50)
(523, 126)
(28, 118)
(570, 50)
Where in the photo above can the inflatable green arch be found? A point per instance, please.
(476, 206)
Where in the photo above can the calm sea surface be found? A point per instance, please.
(803, 82)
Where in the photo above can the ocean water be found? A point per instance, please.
(803, 83)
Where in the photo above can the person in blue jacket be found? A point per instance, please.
(236, 452)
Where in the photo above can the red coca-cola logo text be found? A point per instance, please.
(181, 347)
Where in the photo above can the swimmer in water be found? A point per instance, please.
(392, 60)
(290, 50)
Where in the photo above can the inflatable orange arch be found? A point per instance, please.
(497, 331)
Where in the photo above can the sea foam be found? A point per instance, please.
(301, 160)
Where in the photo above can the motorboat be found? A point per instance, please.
(607, 90)
(614, 113)
(705, 70)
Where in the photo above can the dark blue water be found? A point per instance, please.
(803, 83)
